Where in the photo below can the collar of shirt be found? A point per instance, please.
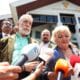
(4, 34)
(44, 44)
(19, 35)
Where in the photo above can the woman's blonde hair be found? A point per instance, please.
(60, 29)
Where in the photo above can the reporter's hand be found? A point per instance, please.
(8, 72)
(70, 72)
(52, 75)
(36, 73)
(30, 66)
(39, 68)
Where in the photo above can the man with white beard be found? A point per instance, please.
(10, 47)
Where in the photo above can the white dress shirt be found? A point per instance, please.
(4, 34)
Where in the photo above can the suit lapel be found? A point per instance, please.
(11, 41)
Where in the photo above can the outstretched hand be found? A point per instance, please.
(9, 72)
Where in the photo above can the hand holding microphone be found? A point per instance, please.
(61, 68)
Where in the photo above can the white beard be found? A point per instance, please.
(24, 32)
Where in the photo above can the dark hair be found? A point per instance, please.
(9, 20)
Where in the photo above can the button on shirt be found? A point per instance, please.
(20, 42)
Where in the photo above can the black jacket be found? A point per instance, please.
(0, 35)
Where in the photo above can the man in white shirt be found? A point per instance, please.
(46, 46)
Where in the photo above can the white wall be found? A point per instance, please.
(65, 7)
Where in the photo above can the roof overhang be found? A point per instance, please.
(22, 6)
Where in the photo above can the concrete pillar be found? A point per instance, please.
(59, 21)
(77, 27)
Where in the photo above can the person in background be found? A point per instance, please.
(6, 28)
(15, 29)
(45, 39)
(46, 46)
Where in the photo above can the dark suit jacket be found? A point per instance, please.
(0, 35)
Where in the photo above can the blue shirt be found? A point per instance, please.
(20, 42)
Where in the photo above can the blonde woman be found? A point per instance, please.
(61, 35)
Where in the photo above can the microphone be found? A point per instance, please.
(75, 62)
(29, 53)
(74, 59)
(61, 68)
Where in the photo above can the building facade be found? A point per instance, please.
(50, 13)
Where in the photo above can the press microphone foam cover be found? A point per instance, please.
(74, 59)
(61, 65)
(29, 53)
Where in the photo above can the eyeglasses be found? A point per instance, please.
(7, 23)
